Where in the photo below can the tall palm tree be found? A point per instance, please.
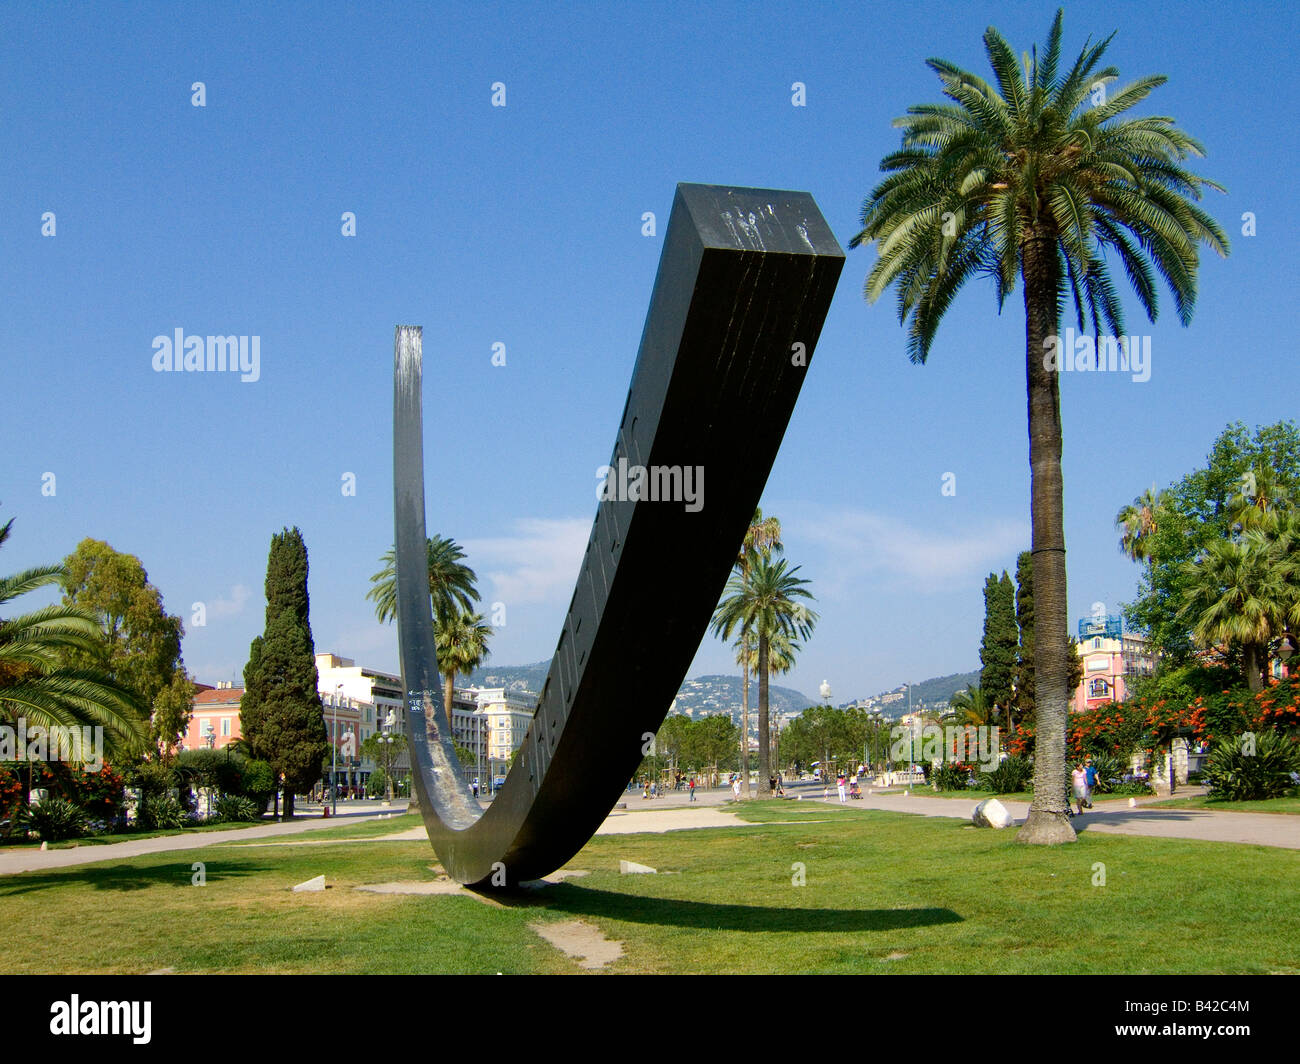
(37, 687)
(1242, 594)
(1138, 523)
(781, 654)
(765, 600)
(762, 539)
(451, 583)
(461, 641)
(1037, 179)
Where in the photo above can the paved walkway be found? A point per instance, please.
(676, 812)
(29, 858)
(1111, 817)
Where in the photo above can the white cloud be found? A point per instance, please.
(232, 606)
(538, 563)
(859, 543)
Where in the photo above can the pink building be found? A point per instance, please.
(1111, 657)
(215, 721)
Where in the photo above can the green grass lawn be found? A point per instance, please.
(1267, 805)
(125, 836)
(883, 892)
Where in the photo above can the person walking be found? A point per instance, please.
(691, 787)
(735, 787)
(1090, 770)
(1079, 778)
(839, 784)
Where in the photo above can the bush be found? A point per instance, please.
(1012, 775)
(951, 776)
(1267, 771)
(53, 819)
(236, 807)
(377, 784)
(1110, 774)
(1133, 787)
(258, 783)
(159, 812)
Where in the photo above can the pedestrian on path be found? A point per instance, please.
(1079, 778)
(839, 783)
(1090, 770)
(735, 787)
(691, 787)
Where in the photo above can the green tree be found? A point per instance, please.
(281, 713)
(1138, 523)
(451, 583)
(1249, 480)
(141, 648)
(1022, 703)
(1038, 179)
(38, 685)
(1000, 642)
(765, 600)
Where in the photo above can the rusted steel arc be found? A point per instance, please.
(745, 280)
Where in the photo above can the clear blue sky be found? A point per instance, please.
(522, 225)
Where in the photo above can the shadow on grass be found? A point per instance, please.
(583, 901)
(124, 877)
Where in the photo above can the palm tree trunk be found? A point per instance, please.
(764, 750)
(1048, 820)
(744, 735)
(1252, 661)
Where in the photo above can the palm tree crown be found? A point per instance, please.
(451, 583)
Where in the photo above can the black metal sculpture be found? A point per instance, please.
(744, 284)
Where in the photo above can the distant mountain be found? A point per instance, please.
(699, 696)
(927, 692)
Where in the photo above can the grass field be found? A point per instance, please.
(1265, 805)
(883, 892)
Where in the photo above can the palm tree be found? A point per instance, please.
(461, 641)
(971, 706)
(762, 538)
(1138, 523)
(763, 600)
(1260, 503)
(781, 654)
(1037, 179)
(1242, 594)
(37, 687)
(451, 583)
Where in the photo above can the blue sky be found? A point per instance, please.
(522, 225)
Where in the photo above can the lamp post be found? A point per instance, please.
(334, 753)
(387, 739)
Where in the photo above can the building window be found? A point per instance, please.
(225, 730)
(1098, 688)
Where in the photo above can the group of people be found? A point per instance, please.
(1084, 780)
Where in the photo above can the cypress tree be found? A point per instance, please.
(998, 647)
(1024, 698)
(281, 712)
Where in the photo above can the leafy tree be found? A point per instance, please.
(1001, 639)
(1038, 179)
(37, 683)
(141, 648)
(281, 713)
(1250, 481)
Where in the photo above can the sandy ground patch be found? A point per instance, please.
(581, 941)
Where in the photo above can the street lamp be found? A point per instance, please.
(334, 752)
(388, 739)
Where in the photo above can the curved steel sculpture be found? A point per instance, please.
(744, 283)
